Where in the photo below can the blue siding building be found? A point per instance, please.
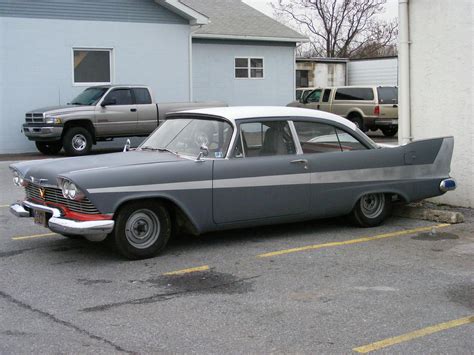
(50, 50)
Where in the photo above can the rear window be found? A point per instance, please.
(359, 94)
(388, 95)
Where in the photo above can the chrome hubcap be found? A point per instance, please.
(372, 205)
(79, 142)
(142, 228)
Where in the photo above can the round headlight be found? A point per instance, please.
(65, 188)
(72, 191)
(17, 178)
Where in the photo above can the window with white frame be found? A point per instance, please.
(92, 66)
(248, 68)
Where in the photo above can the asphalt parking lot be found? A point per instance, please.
(318, 287)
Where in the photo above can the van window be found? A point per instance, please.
(388, 95)
(359, 94)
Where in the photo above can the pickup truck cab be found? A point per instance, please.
(99, 113)
(369, 107)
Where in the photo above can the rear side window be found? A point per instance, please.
(388, 95)
(326, 95)
(359, 94)
(323, 138)
(121, 97)
(142, 96)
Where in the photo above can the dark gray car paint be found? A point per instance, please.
(417, 169)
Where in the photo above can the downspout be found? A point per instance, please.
(404, 118)
(190, 50)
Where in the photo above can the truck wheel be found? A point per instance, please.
(358, 121)
(389, 131)
(371, 210)
(77, 141)
(49, 148)
(142, 230)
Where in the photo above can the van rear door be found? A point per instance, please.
(388, 102)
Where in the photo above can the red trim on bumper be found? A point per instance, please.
(75, 215)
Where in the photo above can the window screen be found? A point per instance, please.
(92, 66)
(354, 94)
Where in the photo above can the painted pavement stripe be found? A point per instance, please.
(187, 271)
(35, 236)
(4, 206)
(351, 241)
(413, 335)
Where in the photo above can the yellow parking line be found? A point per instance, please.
(351, 241)
(186, 271)
(416, 334)
(34, 236)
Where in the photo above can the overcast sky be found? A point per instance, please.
(265, 7)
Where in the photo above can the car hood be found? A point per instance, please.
(46, 171)
(61, 109)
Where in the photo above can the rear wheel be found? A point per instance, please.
(389, 131)
(49, 148)
(77, 141)
(142, 229)
(372, 209)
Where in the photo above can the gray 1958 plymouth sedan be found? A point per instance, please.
(220, 168)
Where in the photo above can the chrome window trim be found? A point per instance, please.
(299, 149)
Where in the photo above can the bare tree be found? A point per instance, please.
(340, 28)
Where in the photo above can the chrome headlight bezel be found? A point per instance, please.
(53, 120)
(70, 190)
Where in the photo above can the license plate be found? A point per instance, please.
(40, 218)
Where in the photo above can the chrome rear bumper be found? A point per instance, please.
(62, 225)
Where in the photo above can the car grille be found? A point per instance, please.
(55, 196)
(34, 118)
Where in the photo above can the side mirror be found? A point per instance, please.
(203, 152)
(108, 102)
(126, 147)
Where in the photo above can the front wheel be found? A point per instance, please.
(77, 141)
(49, 148)
(142, 229)
(389, 131)
(372, 209)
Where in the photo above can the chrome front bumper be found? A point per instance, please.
(62, 225)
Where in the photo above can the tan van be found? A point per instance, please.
(369, 107)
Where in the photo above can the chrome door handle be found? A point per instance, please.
(300, 161)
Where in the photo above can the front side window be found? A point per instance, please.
(246, 68)
(314, 96)
(317, 137)
(186, 136)
(357, 94)
(266, 139)
(92, 66)
(119, 97)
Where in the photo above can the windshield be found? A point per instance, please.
(186, 136)
(89, 96)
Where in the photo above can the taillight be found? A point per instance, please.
(377, 111)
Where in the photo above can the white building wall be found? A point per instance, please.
(441, 67)
(373, 72)
(36, 64)
(213, 73)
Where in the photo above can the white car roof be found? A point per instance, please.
(235, 113)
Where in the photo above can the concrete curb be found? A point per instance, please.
(429, 214)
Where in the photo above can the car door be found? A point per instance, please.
(264, 178)
(335, 160)
(147, 111)
(118, 117)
